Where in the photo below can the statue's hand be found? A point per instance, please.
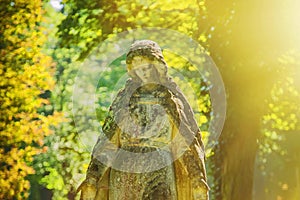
(88, 191)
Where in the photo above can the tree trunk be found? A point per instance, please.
(237, 48)
(237, 151)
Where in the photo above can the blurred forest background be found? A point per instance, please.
(255, 44)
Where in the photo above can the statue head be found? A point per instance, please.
(146, 62)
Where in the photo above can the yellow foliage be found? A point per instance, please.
(25, 74)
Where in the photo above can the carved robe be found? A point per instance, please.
(155, 123)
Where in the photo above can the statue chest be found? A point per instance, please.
(148, 124)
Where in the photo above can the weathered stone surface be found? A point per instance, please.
(149, 124)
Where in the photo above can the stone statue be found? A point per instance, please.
(151, 146)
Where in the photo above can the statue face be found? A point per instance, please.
(145, 69)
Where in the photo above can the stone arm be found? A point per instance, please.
(193, 160)
(102, 157)
(191, 170)
(190, 167)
